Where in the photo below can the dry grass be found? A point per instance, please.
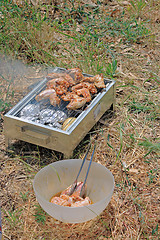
(128, 145)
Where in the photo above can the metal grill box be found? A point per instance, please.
(53, 138)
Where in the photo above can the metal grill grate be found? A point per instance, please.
(70, 114)
(55, 138)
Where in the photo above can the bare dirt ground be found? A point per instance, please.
(133, 212)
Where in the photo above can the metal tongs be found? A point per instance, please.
(74, 185)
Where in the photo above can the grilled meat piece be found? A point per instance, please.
(76, 74)
(54, 100)
(69, 96)
(85, 93)
(69, 79)
(90, 86)
(99, 81)
(65, 76)
(88, 79)
(51, 84)
(57, 81)
(44, 94)
(60, 89)
(76, 103)
(49, 93)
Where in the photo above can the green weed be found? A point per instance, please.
(4, 105)
(24, 196)
(155, 231)
(101, 27)
(155, 77)
(13, 217)
(22, 33)
(5, 95)
(121, 142)
(40, 215)
(150, 146)
(23, 29)
(136, 106)
(56, 173)
(111, 68)
(138, 7)
(147, 106)
(153, 175)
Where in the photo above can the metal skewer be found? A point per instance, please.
(83, 186)
(74, 185)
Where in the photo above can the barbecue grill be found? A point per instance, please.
(53, 136)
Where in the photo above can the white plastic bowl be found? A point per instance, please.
(59, 175)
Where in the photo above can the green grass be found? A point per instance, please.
(5, 95)
(153, 175)
(24, 196)
(13, 217)
(150, 146)
(23, 29)
(93, 40)
(28, 34)
(4, 105)
(40, 215)
(138, 7)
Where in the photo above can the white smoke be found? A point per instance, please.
(18, 75)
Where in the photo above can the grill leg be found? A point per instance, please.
(7, 142)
